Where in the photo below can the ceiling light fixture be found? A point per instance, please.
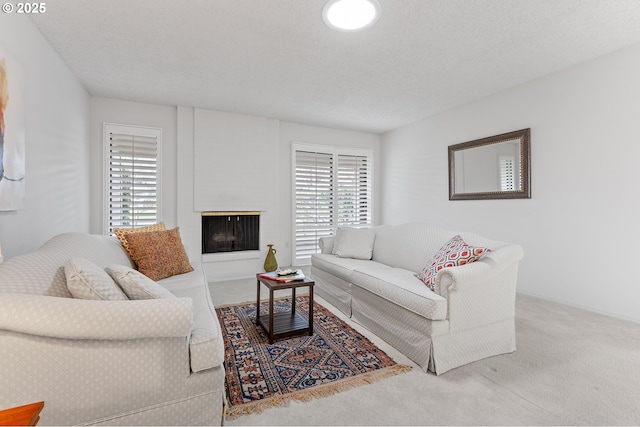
(351, 15)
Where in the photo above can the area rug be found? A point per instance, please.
(260, 375)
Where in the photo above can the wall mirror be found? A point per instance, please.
(497, 167)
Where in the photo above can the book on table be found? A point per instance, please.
(289, 276)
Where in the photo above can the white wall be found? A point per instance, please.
(580, 227)
(137, 114)
(235, 157)
(56, 148)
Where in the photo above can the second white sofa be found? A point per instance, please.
(468, 316)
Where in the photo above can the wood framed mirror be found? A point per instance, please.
(497, 167)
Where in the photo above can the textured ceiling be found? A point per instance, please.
(276, 58)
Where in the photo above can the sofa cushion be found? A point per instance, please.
(404, 289)
(408, 246)
(42, 272)
(85, 280)
(135, 284)
(453, 253)
(354, 243)
(38, 273)
(343, 267)
(206, 347)
(159, 254)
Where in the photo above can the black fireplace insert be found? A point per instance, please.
(230, 231)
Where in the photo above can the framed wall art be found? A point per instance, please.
(12, 134)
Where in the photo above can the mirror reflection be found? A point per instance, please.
(490, 168)
(493, 167)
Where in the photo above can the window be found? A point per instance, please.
(333, 187)
(132, 176)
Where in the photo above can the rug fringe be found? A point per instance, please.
(323, 390)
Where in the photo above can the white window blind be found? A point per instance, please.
(132, 178)
(507, 173)
(333, 187)
(354, 190)
(314, 200)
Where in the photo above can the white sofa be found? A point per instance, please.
(468, 317)
(133, 362)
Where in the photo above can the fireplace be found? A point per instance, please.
(230, 231)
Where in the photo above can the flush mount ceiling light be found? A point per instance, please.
(351, 15)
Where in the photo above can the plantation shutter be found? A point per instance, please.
(333, 187)
(133, 176)
(314, 200)
(354, 190)
(507, 173)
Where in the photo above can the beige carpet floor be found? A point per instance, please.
(572, 367)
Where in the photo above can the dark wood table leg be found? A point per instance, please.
(271, 316)
(258, 305)
(310, 310)
(293, 302)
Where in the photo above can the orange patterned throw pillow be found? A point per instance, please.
(159, 254)
(122, 232)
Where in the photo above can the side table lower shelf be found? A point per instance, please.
(284, 324)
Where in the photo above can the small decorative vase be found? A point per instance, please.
(270, 262)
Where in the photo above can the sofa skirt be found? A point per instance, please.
(202, 410)
(406, 331)
(109, 382)
(334, 290)
(457, 349)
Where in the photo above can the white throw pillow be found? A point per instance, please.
(354, 243)
(135, 284)
(85, 280)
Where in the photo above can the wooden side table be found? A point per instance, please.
(286, 324)
(27, 415)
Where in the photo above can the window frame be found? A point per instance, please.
(132, 130)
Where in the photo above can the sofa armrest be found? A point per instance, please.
(491, 265)
(69, 318)
(482, 292)
(326, 244)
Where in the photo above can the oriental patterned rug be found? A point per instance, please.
(260, 375)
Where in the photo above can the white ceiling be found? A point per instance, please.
(277, 59)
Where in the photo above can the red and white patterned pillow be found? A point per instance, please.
(455, 252)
